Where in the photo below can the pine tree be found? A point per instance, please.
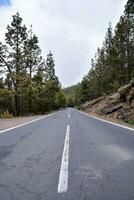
(33, 59)
(32, 52)
(15, 39)
(129, 9)
(49, 69)
(52, 85)
(91, 77)
(106, 60)
(29, 84)
(113, 64)
(108, 39)
(4, 65)
(129, 31)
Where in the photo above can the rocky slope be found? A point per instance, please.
(120, 105)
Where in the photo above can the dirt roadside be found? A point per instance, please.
(8, 123)
(116, 121)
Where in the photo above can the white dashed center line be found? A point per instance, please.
(63, 177)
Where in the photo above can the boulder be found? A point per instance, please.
(123, 92)
(114, 98)
(130, 97)
(113, 109)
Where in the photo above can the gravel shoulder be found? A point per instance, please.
(8, 123)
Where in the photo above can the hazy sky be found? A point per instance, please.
(71, 29)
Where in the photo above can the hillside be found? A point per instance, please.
(118, 106)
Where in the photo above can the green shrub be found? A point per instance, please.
(131, 122)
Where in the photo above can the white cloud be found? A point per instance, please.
(71, 29)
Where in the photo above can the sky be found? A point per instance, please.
(71, 29)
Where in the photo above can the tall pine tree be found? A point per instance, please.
(15, 39)
(49, 69)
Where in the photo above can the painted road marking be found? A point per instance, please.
(14, 127)
(131, 129)
(68, 115)
(63, 177)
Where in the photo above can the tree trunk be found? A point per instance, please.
(30, 94)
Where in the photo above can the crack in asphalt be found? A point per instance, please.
(21, 186)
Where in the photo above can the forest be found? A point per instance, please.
(113, 63)
(28, 83)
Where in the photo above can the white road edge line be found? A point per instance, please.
(131, 129)
(14, 127)
(63, 177)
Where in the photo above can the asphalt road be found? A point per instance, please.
(67, 156)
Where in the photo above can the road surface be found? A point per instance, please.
(67, 156)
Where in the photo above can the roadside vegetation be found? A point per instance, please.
(28, 83)
(111, 73)
(113, 64)
(131, 122)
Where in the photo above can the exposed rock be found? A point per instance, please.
(120, 105)
(123, 91)
(132, 104)
(115, 97)
(113, 109)
(130, 97)
(89, 104)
